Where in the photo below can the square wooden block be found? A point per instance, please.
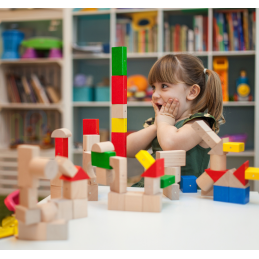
(89, 140)
(176, 171)
(56, 192)
(65, 208)
(134, 201)
(28, 197)
(49, 211)
(75, 189)
(152, 185)
(119, 111)
(80, 208)
(93, 192)
(104, 176)
(152, 203)
(27, 216)
(172, 192)
(116, 201)
(57, 230)
(32, 232)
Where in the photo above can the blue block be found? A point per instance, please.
(239, 195)
(188, 183)
(220, 193)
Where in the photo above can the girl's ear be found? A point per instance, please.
(194, 91)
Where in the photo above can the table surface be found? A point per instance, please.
(193, 222)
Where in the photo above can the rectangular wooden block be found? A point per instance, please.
(57, 230)
(75, 189)
(87, 164)
(119, 111)
(104, 176)
(218, 163)
(119, 140)
(56, 192)
(234, 147)
(92, 181)
(116, 201)
(28, 197)
(27, 216)
(166, 180)
(172, 192)
(93, 192)
(119, 89)
(119, 125)
(145, 159)
(211, 139)
(176, 171)
(61, 147)
(65, 208)
(218, 149)
(205, 182)
(134, 201)
(151, 185)
(119, 61)
(90, 126)
(80, 208)
(172, 158)
(32, 232)
(152, 203)
(102, 159)
(89, 140)
(201, 127)
(252, 173)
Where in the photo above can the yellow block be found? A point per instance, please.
(252, 173)
(145, 158)
(119, 125)
(233, 147)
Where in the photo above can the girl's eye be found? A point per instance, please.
(164, 86)
(153, 87)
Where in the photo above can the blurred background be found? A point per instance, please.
(55, 71)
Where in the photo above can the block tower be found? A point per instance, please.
(119, 100)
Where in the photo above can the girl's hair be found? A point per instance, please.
(189, 69)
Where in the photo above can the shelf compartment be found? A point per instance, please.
(31, 61)
(25, 106)
(234, 53)
(82, 13)
(91, 104)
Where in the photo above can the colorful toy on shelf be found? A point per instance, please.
(137, 86)
(243, 91)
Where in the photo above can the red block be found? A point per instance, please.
(90, 126)
(119, 89)
(240, 173)
(215, 175)
(155, 170)
(119, 140)
(61, 147)
(80, 175)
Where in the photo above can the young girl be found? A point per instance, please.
(181, 95)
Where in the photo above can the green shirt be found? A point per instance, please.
(197, 158)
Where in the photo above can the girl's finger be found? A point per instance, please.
(163, 108)
(155, 107)
(168, 105)
(175, 112)
(172, 107)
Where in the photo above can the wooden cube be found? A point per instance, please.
(176, 171)
(32, 232)
(57, 230)
(104, 176)
(172, 191)
(119, 111)
(65, 166)
(89, 141)
(152, 203)
(49, 211)
(27, 216)
(79, 208)
(56, 192)
(172, 158)
(218, 163)
(75, 189)
(28, 197)
(116, 201)
(134, 201)
(211, 139)
(205, 182)
(152, 185)
(93, 192)
(65, 208)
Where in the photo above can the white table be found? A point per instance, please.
(193, 222)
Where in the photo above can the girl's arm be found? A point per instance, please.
(140, 140)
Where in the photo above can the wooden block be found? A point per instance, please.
(87, 164)
(65, 208)
(28, 197)
(218, 163)
(145, 159)
(152, 203)
(103, 147)
(102, 159)
(156, 169)
(90, 126)
(218, 149)
(49, 211)
(75, 189)
(119, 165)
(134, 201)
(92, 181)
(56, 181)
(211, 139)
(80, 208)
(32, 232)
(119, 140)
(89, 141)
(55, 192)
(205, 182)
(57, 230)
(27, 216)
(252, 173)
(240, 173)
(172, 191)
(61, 133)
(234, 147)
(119, 61)
(172, 158)
(207, 193)
(225, 179)
(25, 154)
(119, 111)
(93, 192)
(152, 185)
(166, 180)
(65, 166)
(234, 182)
(176, 171)
(43, 168)
(61, 147)
(116, 201)
(104, 176)
(201, 127)
(119, 125)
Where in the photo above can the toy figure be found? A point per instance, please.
(242, 88)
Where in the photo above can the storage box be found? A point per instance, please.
(102, 94)
(83, 94)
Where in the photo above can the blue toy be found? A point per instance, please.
(239, 195)
(221, 193)
(242, 88)
(188, 184)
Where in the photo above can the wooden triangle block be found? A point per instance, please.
(156, 169)
(218, 149)
(80, 175)
(225, 179)
(240, 173)
(215, 175)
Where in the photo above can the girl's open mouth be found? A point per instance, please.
(159, 106)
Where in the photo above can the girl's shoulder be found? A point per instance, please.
(201, 115)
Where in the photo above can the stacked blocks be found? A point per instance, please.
(188, 184)
(119, 100)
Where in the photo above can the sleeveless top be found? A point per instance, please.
(197, 158)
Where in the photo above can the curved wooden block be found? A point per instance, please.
(65, 166)
(103, 147)
(218, 162)
(61, 133)
(205, 182)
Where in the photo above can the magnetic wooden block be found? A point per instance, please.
(102, 159)
(145, 159)
(56, 181)
(116, 201)
(176, 171)
(205, 182)
(89, 141)
(32, 232)
(103, 147)
(119, 111)
(61, 147)
(156, 169)
(119, 125)
(134, 201)
(211, 139)
(234, 147)
(27, 216)
(104, 176)
(48, 211)
(119, 89)
(152, 185)
(119, 165)
(207, 193)
(119, 61)
(90, 126)
(234, 181)
(252, 173)
(75, 189)
(61, 133)
(65, 208)
(65, 166)
(43, 168)
(119, 140)
(80, 208)
(218, 149)
(172, 158)
(28, 197)
(87, 164)
(152, 203)
(57, 230)
(25, 154)
(218, 163)
(55, 192)
(172, 192)
(224, 180)
(167, 180)
(201, 127)
(93, 192)
(240, 173)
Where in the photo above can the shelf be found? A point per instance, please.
(31, 61)
(77, 151)
(91, 104)
(80, 13)
(247, 153)
(30, 106)
(195, 53)
(143, 55)
(234, 53)
(135, 10)
(92, 56)
(139, 104)
(238, 104)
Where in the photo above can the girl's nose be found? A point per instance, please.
(156, 95)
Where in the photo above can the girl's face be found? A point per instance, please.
(163, 91)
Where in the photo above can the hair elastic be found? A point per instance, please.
(204, 71)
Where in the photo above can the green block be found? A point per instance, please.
(119, 61)
(167, 180)
(102, 159)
